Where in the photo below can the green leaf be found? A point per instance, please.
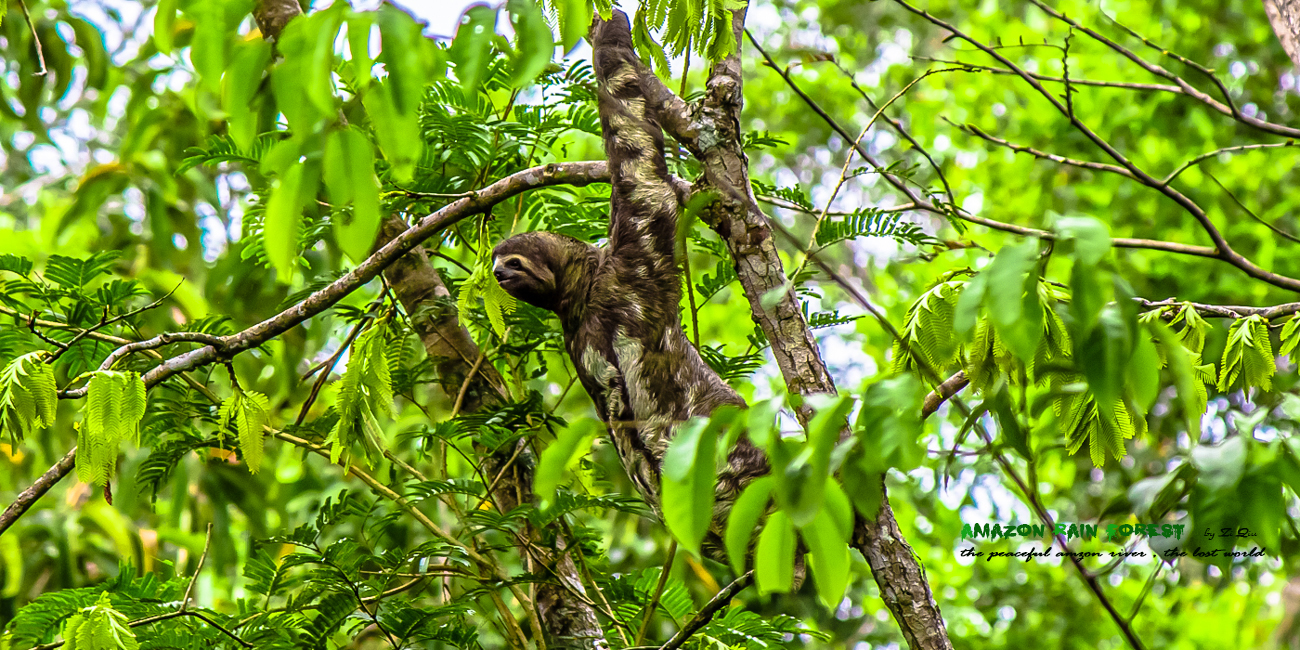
(283, 222)
(839, 509)
(1090, 238)
(1107, 348)
(410, 60)
(471, 51)
(574, 19)
(1143, 372)
(1220, 466)
(1194, 328)
(1012, 298)
(164, 24)
(689, 476)
(1087, 298)
(208, 47)
(28, 396)
(365, 394)
(1289, 338)
(99, 627)
(349, 171)
(249, 412)
(1009, 427)
(482, 284)
(360, 24)
(888, 428)
(248, 61)
(115, 404)
(761, 421)
(928, 330)
(534, 40)
(571, 443)
(1247, 356)
(743, 519)
(801, 483)
(828, 557)
(774, 555)
(1189, 389)
(969, 301)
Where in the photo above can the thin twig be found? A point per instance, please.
(326, 369)
(707, 612)
(898, 127)
(785, 76)
(1127, 85)
(1085, 164)
(1224, 311)
(659, 591)
(36, 41)
(1282, 233)
(106, 321)
(464, 387)
(1210, 154)
(189, 588)
(1186, 88)
(1223, 249)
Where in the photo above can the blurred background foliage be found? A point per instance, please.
(108, 145)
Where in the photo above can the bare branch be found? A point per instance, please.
(1186, 88)
(1222, 247)
(1085, 164)
(1210, 154)
(951, 386)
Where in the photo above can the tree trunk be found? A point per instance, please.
(736, 217)
(1284, 15)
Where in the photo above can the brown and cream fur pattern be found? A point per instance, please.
(619, 304)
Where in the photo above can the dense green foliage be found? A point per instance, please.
(169, 176)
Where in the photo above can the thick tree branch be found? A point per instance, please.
(37, 490)
(950, 386)
(273, 15)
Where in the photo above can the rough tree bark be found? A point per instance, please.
(1284, 15)
(711, 132)
(567, 620)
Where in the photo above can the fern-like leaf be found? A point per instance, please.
(28, 396)
(870, 222)
(115, 404)
(365, 393)
(249, 412)
(1247, 356)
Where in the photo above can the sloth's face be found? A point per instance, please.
(529, 267)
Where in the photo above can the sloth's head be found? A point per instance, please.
(540, 268)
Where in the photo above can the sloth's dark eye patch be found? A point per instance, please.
(514, 263)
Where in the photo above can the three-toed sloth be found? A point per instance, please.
(618, 304)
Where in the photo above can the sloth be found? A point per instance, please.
(618, 304)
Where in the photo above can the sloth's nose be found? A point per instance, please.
(499, 274)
